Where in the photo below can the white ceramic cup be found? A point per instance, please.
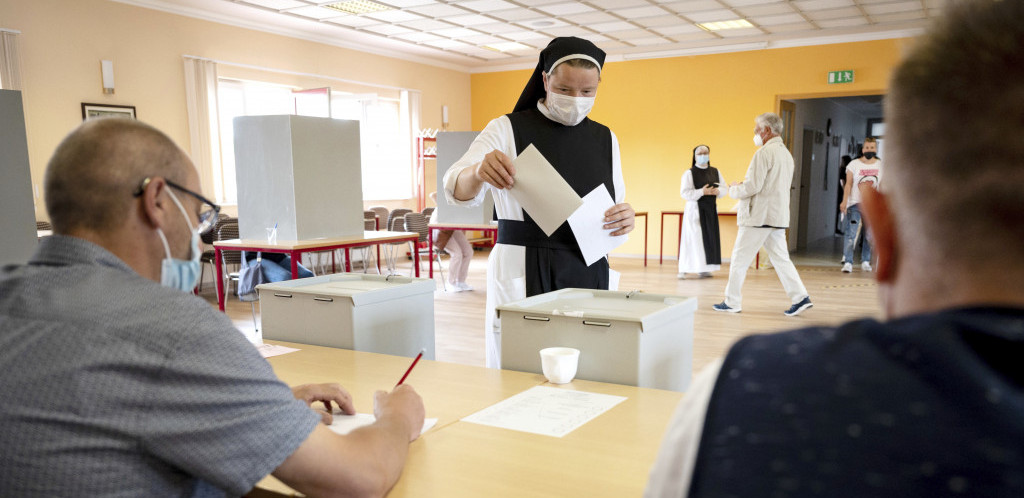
(559, 364)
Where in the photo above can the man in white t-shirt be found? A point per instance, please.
(861, 172)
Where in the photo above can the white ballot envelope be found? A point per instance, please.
(541, 191)
(587, 225)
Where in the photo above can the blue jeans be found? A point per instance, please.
(854, 229)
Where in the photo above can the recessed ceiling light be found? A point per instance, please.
(358, 7)
(505, 46)
(542, 23)
(720, 25)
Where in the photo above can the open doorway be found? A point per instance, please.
(824, 131)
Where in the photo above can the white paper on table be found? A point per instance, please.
(344, 424)
(268, 350)
(587, 224)
(548, 411)
(541, 191)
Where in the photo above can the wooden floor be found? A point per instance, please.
(837, 297)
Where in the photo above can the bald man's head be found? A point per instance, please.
(95, 170)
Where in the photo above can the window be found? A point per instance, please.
(386, 157)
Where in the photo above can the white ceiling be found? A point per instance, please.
(452, 33)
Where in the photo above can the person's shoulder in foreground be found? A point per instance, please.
(117, 385)
(930, 401)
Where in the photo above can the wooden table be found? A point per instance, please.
(295, 249)
(489, 228)
(679, 236)
(609, 456)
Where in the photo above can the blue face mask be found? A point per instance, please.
(178, 273)
(702, 158)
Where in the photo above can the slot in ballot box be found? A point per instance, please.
(380, 314)
(632, 338)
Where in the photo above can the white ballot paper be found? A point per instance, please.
(587, 224)
(268, 350)
(344, 424)
(548, 411)
(541, 191)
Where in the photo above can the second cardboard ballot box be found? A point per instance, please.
(390, 315)
(632, 338)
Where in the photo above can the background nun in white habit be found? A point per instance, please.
(551, 114)
(700, 246)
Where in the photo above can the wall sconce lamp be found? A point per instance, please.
(107, 70)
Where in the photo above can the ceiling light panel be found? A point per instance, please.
(353, 21)
(561, 9)
(637, 12)
(314, 12)
(822, 4)
(731, 24)
(738, 33)
(693, 6)
(487, 5)
(357, 6)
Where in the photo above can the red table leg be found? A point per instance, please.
(348, 259)
(661, 241)
(430, 252)
(416, 259)
(295, 263)
(679, 239)
(645, 240)
(219, 277)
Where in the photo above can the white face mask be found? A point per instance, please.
(567, 110)
(758, 141)
(181, 274)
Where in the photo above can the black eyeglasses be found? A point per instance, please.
(207, 213)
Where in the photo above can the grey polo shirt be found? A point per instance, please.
(113, 385)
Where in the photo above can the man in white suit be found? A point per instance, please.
(763, 216)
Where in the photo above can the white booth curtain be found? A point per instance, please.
(10, 60)
(203, 123)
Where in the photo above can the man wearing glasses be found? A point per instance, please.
(118, 381)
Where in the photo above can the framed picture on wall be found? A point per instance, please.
(91, 111)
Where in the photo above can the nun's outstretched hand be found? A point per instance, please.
(620, 216)
(496, 169)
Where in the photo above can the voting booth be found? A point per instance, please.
(451, 145)
(632, 338)
(375, 313)
(299, 174)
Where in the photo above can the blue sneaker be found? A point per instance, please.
(798, 308)
(724, 307)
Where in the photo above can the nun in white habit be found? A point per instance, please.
(700, 245)
(551, 114)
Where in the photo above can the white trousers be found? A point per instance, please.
(749, 240)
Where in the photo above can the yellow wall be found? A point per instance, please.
(63, 41)
(661, 108)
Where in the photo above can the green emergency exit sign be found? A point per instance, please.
(840, 77)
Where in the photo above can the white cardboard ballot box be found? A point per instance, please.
(633, 338)
(380, 314)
